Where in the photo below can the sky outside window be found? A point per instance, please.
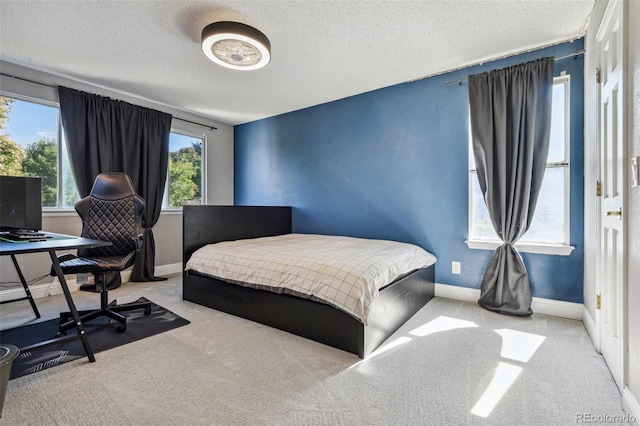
(29, 122)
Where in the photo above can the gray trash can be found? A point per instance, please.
(7, 354)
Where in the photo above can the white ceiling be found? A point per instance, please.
(321, 50)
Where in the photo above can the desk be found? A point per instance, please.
(55, 243)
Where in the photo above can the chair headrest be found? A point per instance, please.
(112, 186)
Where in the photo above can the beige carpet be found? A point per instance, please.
(453, 363)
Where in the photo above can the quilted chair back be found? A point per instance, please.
(112, 212)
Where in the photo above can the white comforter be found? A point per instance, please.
(342, 271)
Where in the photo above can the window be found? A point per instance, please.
(30, 145)
(184, 180)
(550, 225)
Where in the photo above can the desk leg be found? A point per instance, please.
(28, 296)
(26, 287)
(72, 306)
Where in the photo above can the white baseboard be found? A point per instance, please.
(53, 288)
(592, 331)
(169, 269)
(631, 405)
(538, 305)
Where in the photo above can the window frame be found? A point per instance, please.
(203, 172)
(60, 139)
(562, 249)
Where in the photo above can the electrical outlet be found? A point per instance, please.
(455, 267)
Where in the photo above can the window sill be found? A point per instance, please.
(55, 212)
(551, 249)
(170, 212)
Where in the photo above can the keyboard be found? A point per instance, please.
(24, 236)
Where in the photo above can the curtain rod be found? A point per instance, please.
(55, 87)
(197, 124)
(574, 54)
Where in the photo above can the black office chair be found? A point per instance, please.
(112, 212)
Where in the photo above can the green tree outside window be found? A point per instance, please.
(42, 160)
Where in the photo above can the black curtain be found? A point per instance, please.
(108, 135)
(510, 128)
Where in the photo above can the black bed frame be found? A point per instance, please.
(396, 303)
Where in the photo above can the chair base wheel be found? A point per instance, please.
(121, 328)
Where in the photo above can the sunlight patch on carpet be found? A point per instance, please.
(518, 345)
(502, 380)
(441, 323)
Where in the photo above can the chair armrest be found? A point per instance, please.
(66, 256)
(62, 258)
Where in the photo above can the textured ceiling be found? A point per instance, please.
(321, 50)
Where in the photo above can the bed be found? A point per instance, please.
(311, 318)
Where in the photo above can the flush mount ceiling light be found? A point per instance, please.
(236, 46)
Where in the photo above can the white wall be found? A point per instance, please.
(168, 230)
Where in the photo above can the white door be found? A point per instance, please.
(612, 259)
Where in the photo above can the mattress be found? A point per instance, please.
(344, 272)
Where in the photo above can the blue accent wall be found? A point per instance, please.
(393, 164)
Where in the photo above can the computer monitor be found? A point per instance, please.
(20, 203)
